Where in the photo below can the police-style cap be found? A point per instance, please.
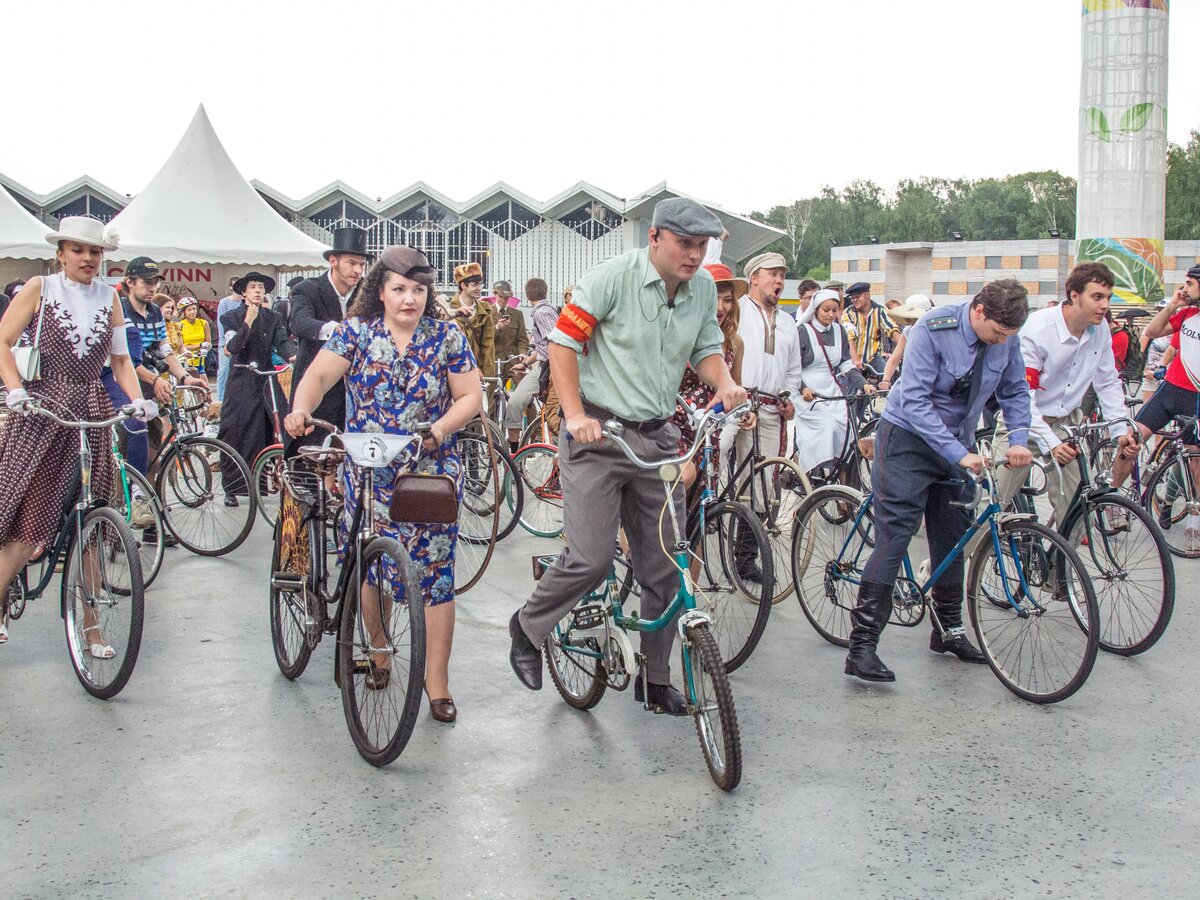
(685, 216)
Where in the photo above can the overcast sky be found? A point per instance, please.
(742, 104)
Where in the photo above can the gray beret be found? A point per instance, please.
(685, 216)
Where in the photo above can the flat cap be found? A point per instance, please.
(685, 216)
(409, 262)
(858, 287)
(765, 261)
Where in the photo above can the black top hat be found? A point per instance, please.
(239, 286)
(349, 240)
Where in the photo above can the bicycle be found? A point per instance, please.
(590, 651)
(1172, 489)
(1123, 551)
(192, 473)
(132, 487)
(850, 467)
(378, 615)
(1031, 602)
(266, 472)
(102, 592)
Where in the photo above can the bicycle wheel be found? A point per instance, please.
(508, 515)
(575, 659)
(479, 512)
(103, 602)
(149, 540)
(1171, 495)
(711, 704)
(536, 485)
(1034, 612)
(830, 546)
(292, 624)
(267, 478)
(732, 544)
(781, 487)
(1130, 568)
(381, 652)
(194, 477)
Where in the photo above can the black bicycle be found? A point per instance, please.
(376, 607)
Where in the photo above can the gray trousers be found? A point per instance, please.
(602, 490)
(1061, 482)
(524, 392)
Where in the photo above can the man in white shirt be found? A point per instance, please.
(1067, 349)
(771, 360)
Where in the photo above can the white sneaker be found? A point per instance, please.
(141, 515)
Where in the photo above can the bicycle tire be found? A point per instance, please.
(152, 546)
(827, 581)
(738, 608)
(381, 719)
(289, 614)
(710, 702)
(1063, 618)
(535, 490)
(785, 486)
(479, 516)
(1115, 558)
(118, 585)
(575, 664)
(191, 487)
(267, 479)
(506, 525)
(1166, 498)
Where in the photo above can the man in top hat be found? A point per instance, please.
(318, 306)
(642, 317)
(474, 317)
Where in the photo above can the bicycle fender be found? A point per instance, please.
(1001, 518)
(692, 617)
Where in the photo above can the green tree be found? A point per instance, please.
(1183, 190)
(993, 210)
(1053, 208)
(915, 215)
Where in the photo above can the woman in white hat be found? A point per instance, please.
(822, 426)
(75, 321)
(905, 316)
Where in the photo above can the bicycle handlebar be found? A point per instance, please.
(270, 373)
(126, 412)
(846, 398)
(705, 421)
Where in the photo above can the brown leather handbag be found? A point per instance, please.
(424, 498)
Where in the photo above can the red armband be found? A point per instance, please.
(576, 323)
(1034, 377)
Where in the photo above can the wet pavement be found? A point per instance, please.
(212, 775)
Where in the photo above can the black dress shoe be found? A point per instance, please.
(525, 658)
(750, 571)
(443, 710)
(956, 643)
(663, 699)
(150, 536)
(862, 662)
(231, 500)
(1164, 518)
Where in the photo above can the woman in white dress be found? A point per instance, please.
(822, 426)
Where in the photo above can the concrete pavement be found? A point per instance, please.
(213, 775)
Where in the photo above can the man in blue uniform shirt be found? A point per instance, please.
(957, 357)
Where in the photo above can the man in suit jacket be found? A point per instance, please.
(318, 306)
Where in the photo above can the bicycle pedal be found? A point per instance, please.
(287, 581)
(591, 616)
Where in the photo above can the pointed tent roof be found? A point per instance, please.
(199, 209)
(21, 235)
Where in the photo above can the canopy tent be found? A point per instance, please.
(199, 209)
(21, 235)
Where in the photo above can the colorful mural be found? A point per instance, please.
(1137, 264)
(1102, 5)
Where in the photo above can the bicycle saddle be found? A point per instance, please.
(373, 450)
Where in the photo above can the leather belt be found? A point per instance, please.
(599, 412)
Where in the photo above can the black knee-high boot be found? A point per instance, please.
(947, 602)
(868, 618)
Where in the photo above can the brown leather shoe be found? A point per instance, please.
(378, 676)
(443, 710)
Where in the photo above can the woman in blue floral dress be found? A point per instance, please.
(403, 366)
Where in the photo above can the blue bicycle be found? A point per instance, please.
(1032, 605)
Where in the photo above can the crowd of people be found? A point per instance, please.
(374, 347)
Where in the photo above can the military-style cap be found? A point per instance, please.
(685, 216)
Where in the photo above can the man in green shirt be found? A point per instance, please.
(619, 351)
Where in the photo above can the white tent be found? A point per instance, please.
(199, 209)
(21, 235)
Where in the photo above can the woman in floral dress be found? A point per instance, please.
(403, 367)
(81, 325)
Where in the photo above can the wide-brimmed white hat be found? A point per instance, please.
(914, 307)
(84, 230)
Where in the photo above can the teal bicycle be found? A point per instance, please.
(590, 650)
(1031, 602)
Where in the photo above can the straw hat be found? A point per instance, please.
(84, 230)
(914, 307)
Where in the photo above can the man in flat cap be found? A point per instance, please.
(618, 352)
(869, 327)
